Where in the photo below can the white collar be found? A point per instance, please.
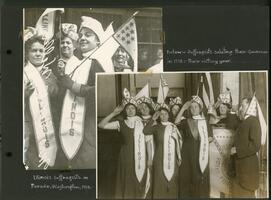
(166, 123)
(146, 117)
(198, 117)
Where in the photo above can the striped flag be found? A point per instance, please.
(163, 90)
(205, 89)
(255, 110)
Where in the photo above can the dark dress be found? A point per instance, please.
(86, 155)
(193, 183)
(230, 122)
(247, 143)
(162, 189)
(127, 185)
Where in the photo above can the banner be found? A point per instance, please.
(220, 160)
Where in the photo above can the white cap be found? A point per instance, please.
(94, 25)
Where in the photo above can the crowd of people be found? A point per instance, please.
(176, 144)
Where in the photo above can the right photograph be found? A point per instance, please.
(182, 134)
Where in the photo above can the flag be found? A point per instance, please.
(255, 110)
(46, 23)
(125, 36)
(162, 91)
(205, 89)
(144, 92)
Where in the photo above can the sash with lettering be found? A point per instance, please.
(172, 147)
(41, 116)
(73, 110)
(204, 142)
(139, 146)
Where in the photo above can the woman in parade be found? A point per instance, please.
(146, 109)
(167, 156)
(40, 89)
(77, 124)
(196, 133)
(131, 174)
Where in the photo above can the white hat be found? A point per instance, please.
(198, 100)
(175, 101)
(69, 30)
(94, 25)
(127, 99)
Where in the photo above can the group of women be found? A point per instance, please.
(177, 164)
(60, 99)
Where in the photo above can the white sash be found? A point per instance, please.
(41, 116)
(139, 145)
(172, 140)
(204, 144)
(73, 111)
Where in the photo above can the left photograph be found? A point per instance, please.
(63, 50)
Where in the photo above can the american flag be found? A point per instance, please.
(126, 36)
(163, 90)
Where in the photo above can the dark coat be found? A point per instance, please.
(248, 143)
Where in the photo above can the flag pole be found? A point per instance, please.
(163, 95)
(104, 42)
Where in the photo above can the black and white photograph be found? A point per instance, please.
(182, 134)
(63, 50)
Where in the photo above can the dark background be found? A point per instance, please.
(208, 26)
(214, 27)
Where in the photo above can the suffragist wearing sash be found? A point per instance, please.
(131, 174)
(77, 124)
(146, 108)
(194, 171)
(167, 156)
(40, 87)
(66, 64)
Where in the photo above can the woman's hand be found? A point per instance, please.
(118, 110)
(29, 88)
(186, 105)
(156, 115)
(210, 139)
(66, 81)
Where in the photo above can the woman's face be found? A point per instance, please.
(88, 40)
(223, 109)
(160, 53)
(175, 110)
(144, 109)
(130, 110)
(36, 54)
(195, 109)
(121, 56)
(67, 47)
(243, 108)
(164, 116)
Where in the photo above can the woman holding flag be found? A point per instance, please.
(194, 170)
(167, 155)
(131, 174)
(77, 124)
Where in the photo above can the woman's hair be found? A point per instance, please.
(160, 109)
(124, 110)
(150, 108)
(226, 104)
(31, 41)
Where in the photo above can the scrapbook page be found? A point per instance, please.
(135, 101)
